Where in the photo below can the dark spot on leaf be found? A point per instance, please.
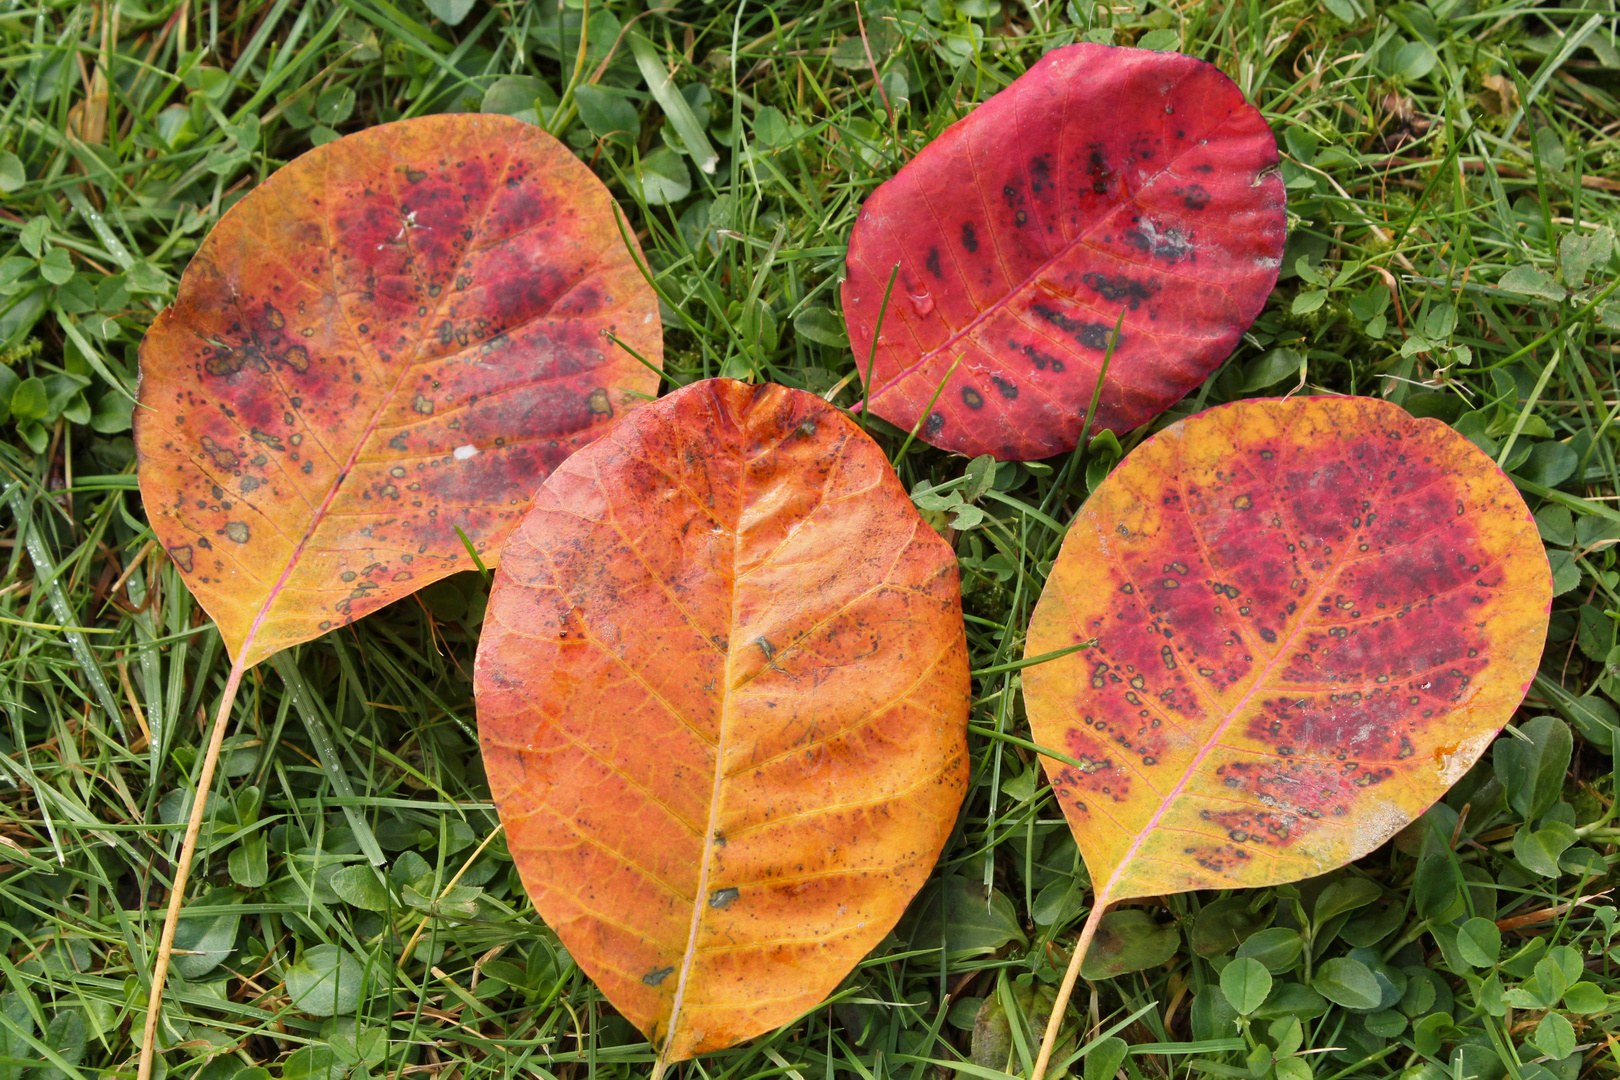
(224, 361)
(722, 897)
(181, 556)
(1091, 335)
(972, 398)
(1009, 390)
(597, 402)
(1099, 172)
(1094, 336)
(1169, 244)
(1193, 196)
(237, 531)
(657, 975)
(932, 263)
(1036, 357)
(970, 239)
(222, 456)
(935, 424)
(1120, 287)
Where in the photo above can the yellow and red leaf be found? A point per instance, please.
(1310, 618)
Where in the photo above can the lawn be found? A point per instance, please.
(1453, 179)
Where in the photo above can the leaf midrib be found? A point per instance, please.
(1104, 893)
(684, 975)
(372, 423)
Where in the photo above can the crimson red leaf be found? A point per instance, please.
(1104, 181)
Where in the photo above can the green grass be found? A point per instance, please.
(1429, 150)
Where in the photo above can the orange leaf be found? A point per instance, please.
(397, 334)
(1311, 616)
(722, 694)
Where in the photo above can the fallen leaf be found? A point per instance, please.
(1401, 121)
(1502, 97)
(1311, 617)
(395, 337)
(722, 697)
(1105, 181)
(398, 334)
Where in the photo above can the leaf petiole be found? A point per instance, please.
(1099, 904)
(188, 851)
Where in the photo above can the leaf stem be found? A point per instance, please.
(1099, 904)
(182, 869)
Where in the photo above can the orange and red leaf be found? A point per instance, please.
(398, 334)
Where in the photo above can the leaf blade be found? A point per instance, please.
(675, 106)
(702, 617)
(1296, 730)
(1103, 182)
(399, 322)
